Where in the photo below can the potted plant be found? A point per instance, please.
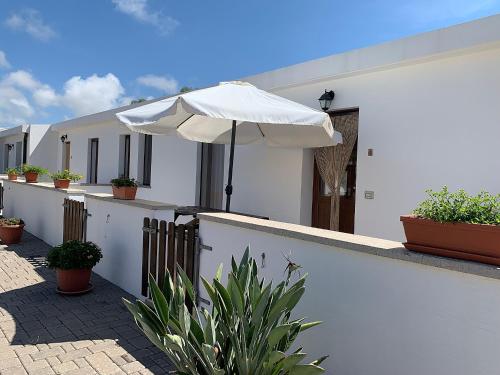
(73, 262)
(251, 322)
(31, 172)
(124, 188)
(11, 230)
(62, 179)
(12, 173)
(456, 225)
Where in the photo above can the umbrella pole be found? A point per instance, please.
(229, 186)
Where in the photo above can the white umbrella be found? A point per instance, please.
(212, 115)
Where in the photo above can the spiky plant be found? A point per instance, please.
(249, 330)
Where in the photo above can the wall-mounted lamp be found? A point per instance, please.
(326, 99)
(10, 146)
(64, 138)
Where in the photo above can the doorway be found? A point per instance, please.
(322, 196)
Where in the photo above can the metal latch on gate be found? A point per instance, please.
(205, 247)
(149, 230)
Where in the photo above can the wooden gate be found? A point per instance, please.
(164, 245)
(75, 221)
(1, 197)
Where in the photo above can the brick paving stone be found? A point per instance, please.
(42, 332)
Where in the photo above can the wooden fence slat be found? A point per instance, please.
(162, 252)
(180, 245)
(153, 254)
(171, 249)
(145, 257)
(190, 249)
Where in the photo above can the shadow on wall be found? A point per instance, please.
(31, 312)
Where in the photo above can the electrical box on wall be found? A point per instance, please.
(369, 194)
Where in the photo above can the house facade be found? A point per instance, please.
(427, 117)
(28, 144)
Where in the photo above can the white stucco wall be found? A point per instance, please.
(117, 229)
(430, 124)
(41, 209)
(42, 147)
(380, 316)
(173, 168)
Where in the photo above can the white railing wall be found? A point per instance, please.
(40, 206)
(381, 316)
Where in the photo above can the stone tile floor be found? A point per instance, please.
(42, 332)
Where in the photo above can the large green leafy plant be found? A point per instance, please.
(74, 255)
(445, 206)
(248, 331)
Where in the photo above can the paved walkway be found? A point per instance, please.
(42, 332)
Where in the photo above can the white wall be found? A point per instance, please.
(173, 169)
(381, 316)
(429, 124)
(268, 181)
(41, 209)
(117, 229)
(43, 144)
(12, 139)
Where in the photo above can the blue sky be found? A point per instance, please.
(62, 59)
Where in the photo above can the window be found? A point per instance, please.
(145, 157)
(25, 148)
(124, 159)
(93, 160)
(6, 156)
(19, 153)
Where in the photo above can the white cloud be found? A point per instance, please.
(30, 21)
(22, 79)
(92, 94)
(45, 96)
(166, 84)
(4, 63)
(15, 108)
(139, 10)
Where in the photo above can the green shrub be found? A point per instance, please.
(27, 168)
(248, 331)
(10, 221)
(444, 206)
(74, 255)
(123, 181)
(15, 171)
(66, 175)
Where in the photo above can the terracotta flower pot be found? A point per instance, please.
(31, 176)
(11, 234)
(477, 242)
(124, 192)
(62, 184)
(74, 280)
(12, 177)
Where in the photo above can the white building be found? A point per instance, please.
(428, 117)
(28, 144)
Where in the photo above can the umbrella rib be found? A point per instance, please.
(182, 123)
(261, 132)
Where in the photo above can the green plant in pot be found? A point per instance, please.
(11, 230)
(249, 329)
(62, 179)
(73, 262)
(12, 173)
(124, 188)
(457, 225)
(32, 172)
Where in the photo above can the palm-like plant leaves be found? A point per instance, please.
(248, 331)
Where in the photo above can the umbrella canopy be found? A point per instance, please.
(212, 115)
(207, 115)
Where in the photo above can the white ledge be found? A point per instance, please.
(141, 203)
(368, 245)
(47, 186)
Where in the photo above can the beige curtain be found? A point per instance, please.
(332, 161)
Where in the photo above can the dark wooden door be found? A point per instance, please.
(322, 198)
(67, 155)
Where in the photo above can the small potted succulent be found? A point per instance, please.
(11, 230)
(73, 262)
(124, 188)
(62, 179)
(31, 172)
(456, 225)
(12, 173)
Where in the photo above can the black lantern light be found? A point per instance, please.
(10, 146)
(64, 137)
(326, 99)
